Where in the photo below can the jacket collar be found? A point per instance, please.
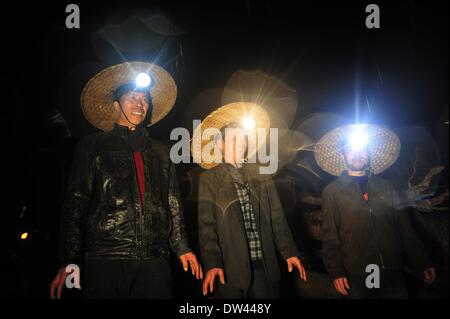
(228, 173)
(346, 183)
(120, 129)
(123, 133)
(123, 130)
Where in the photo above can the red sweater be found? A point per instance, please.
(140, 174)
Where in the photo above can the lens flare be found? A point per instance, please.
(358, 139)
(249, 123)
(143, 80)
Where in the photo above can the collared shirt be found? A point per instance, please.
(243, 192)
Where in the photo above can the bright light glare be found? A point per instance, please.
(143, 80)
(358, 139)
(24, 236)
(249, 123)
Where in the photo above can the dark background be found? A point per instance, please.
(320, 48)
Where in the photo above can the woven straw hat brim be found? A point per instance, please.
(230, 113)
(98, 95)
(384, 149)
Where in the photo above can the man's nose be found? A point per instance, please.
(139, 103)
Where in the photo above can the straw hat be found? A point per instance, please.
(227, 114)
(384, 147)
(98, 95)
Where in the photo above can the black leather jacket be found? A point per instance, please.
(103, 216)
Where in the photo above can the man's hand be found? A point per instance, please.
(58, 283)
(429, 275)
(341, 285)
(189, 259)
(295, 262)
(210, 278)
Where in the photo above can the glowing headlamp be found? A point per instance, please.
(143, 80)
(358, 139)
(249, 123)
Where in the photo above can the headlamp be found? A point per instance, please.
(249, 123)
(143, 80)
(358, 139)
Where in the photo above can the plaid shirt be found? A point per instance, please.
(243, 192)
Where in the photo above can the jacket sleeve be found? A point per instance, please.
(281, 233)
(412, 246)
(331, 244)
(75, 207)
(207, 225)
(178, 236)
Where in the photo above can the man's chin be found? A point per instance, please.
(136, 119)
(358, 168)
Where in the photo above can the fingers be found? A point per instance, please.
(60, 287)
(52, 290)
(346, 283)
(303, 273)
(342, 288)
(342, 285)
(190, 260)
(205, 284)
(193, 267)
(289, 266)
(301, 270)
(339, 285)
(211, 282)
(184, 262)
(201, 271)
(221, 277)
(196, 268)
(295, 262)
(208, 283)
(60, 284)
(56, 286)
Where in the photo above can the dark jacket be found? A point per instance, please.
(357, 233)
(103, 216)
(222, 235)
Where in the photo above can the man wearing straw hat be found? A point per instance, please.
(241, 222)
(122, 214)
(365, 230)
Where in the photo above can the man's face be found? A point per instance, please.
(135, 106)
(356, 160)
(235, 144)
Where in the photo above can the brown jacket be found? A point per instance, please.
(222, 235)
(356, 233)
